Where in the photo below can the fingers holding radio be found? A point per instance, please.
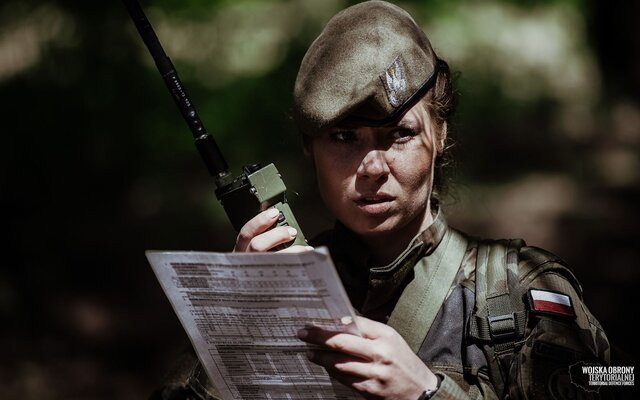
(256, 234)
(272, 238)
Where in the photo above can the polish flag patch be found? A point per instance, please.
(551, 303)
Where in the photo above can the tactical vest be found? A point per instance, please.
(499, 320)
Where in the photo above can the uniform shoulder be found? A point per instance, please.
(534, 262)
(524, 263)
(536, 256)
(542, 271)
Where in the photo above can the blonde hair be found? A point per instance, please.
(440, 103)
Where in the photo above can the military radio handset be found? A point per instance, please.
(257, 188)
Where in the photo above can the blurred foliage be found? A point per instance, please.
(98, 166)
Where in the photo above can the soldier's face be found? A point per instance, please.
(377, 180)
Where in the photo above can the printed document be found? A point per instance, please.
(242, 311)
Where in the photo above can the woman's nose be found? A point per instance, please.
(373, 165)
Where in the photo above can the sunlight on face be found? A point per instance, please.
(377, 180)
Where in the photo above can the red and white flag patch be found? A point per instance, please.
(549, 302)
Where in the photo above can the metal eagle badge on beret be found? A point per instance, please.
(548, 302)
(395, 83)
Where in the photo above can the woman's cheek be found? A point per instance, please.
(413, 172)
(413, 167)
(331, 183)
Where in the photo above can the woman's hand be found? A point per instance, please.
(255, 235)
(379, 365)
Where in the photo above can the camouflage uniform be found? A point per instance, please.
(550, 343)
(537, 365)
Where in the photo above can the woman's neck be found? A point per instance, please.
(387, 247)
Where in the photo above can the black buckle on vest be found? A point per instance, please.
(502, 326)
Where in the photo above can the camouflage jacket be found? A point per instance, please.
(538, 361)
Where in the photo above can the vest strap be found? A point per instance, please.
(424, 295)
(499, 319)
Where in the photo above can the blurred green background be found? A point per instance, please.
(98, 166)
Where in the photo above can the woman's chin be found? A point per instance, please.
(394, 226)
(372, 227)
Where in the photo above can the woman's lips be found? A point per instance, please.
(375, 204)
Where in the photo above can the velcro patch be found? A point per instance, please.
(542, 301)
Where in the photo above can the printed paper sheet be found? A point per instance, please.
(242, 311)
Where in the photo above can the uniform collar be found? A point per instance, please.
(372, 287)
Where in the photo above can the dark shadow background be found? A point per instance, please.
(97, 166)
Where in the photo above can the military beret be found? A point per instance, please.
(370, 64)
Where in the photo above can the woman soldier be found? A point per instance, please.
(373, 102)
(443, 315)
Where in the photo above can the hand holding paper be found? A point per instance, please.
(379, 363)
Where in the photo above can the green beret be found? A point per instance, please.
(370, 64)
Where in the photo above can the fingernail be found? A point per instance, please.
(292, 231)
(346, 320)
(303, 333)
(272, 213)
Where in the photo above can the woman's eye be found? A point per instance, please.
(403, 135)
(343, 136)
